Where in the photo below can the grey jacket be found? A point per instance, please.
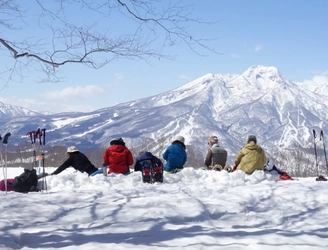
(216, 155)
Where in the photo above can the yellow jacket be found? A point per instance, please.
(250, 158)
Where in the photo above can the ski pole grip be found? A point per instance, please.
(43, 131)
(314, 133)
(34, 137)
(5, 139)
(31, 137)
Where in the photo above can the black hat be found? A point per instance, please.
(117, 141)
(252, 138)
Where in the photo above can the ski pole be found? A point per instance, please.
(32, 137)
(315, 152)
(5, 142)
(324, 147)
(42, 144)
(43, 132)
(2, 163)
(38, 136)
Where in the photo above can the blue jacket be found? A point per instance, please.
(175, 156)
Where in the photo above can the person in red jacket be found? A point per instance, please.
(118, 157)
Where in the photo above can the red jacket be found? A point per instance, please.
(118, 158)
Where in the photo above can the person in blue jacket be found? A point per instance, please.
(175, 155)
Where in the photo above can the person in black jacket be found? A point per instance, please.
(78, 161)
(146, 156)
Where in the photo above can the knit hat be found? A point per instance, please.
(252, 138)
(117, 141)
(213, 139)
(180, 138)
(72, 149)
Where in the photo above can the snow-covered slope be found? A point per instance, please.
(9, 111)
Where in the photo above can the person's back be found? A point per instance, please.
(146, 156)
(175, 155)
(215, 155)
(26, 182)
(118, 157)
(251, 157)
(150, 166)
(78, 161)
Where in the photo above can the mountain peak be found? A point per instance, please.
(8, 111)
(259, 77)
(262, 70)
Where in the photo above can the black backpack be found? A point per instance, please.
(26, 182)
(152, 170)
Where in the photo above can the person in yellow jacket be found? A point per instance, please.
(251, 157)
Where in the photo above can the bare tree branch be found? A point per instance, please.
(152, 25)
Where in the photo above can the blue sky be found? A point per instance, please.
(290, 35)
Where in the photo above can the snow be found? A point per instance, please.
(193, 209)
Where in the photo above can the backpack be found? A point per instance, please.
(146, 169)
(26, 182)
(152, 171)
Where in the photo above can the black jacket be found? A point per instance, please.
(146, 156)
(79, 162)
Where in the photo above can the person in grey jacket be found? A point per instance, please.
(215, 155)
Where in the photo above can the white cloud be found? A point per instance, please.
(69, 93)
(117, 81)
(48, 106)
(233, 55)
(184, 77)
(66, 100)
(319, 73)
(258, 47)
(31, 104)
(317, 81)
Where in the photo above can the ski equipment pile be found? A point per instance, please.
(39, 134)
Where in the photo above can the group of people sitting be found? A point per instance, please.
(250, 158)
(118, 158)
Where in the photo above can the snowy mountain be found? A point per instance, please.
(260, 101)
(9, 111)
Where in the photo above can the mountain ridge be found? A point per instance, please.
(259, 101)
